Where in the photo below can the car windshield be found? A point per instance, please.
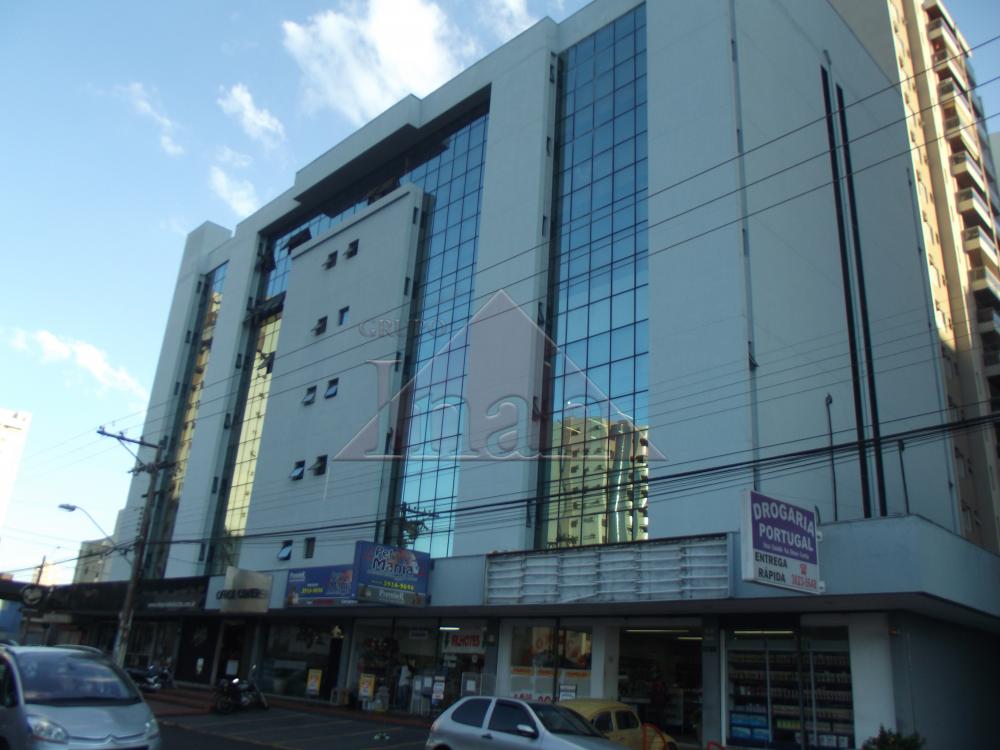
(559, 720)
(60, 677)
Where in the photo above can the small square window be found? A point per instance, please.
(310, 547)
(341, 317)
(285, 553)
(310, 396)
(352, 249)
(331, 260)
(319, 467)
(320, 326)
(298, 471)
(331, 388)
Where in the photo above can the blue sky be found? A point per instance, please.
(128, 124)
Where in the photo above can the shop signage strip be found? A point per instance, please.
(780, 544)
(668, 570)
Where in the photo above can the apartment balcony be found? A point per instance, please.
(967, 171)
(940, 32)
(946, 64)
(986, 286)
(991, 367)
(974, 208)
(988, 323)
(962, 136)
(953, 96)
(978, 243)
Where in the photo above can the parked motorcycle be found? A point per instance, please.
(232, 693)
(151, 678)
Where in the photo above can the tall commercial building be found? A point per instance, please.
(919, 47)
(90, 564)
(617, 366)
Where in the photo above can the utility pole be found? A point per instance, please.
(139, 554)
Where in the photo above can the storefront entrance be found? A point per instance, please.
(302, 659)
(659, 674)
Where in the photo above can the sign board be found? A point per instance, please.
(391, 575)
(464, 641)
(244, 591)
(567, 692)
(324, 586)
(437, 692)
(780, 544)
(313, 679)
(366, 686)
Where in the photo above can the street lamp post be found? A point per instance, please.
(70, 507)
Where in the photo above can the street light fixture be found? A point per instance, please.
(69, 507)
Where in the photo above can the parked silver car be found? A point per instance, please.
(481, 723)
(71, 698)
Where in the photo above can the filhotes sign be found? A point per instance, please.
(780, 544)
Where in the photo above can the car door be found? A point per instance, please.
(502, 727)
(604, 724)
(11, 721)
(466, 730)
(628, 730)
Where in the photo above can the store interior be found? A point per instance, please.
(659, 674)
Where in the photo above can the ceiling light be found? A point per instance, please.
(657, 630)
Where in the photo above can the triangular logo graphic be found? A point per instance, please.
(497, 415)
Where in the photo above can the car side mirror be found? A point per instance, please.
(526, 731)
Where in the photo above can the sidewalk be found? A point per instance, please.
(188, 701)
(290, 724)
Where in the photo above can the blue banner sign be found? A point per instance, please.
(391, 575)
(320, 587)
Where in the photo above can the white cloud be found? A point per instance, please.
(170, 146)
(240, 195)
(257, 123)
(365, 58)
(226, 155)
(87, 358)
(142, 103)
(507, 18)
(18, 340)
(174, 225)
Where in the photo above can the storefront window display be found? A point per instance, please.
(532, 662)
(416, 657)
(783, 680)
(418, 666)
(463, 656)
(659, 674)
(301, 659)
(375, 664)
(549, 664)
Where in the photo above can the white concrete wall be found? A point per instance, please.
(699, 406)
(871, 674)
(517, 199)
(799, 328)
(350, 490)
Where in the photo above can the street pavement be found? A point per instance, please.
(281, 728)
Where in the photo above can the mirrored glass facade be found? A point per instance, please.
(593, 488)
(201, 348)
(237, 489)
(427, 477)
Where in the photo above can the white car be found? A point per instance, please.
(484, 723)
(70, 698)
